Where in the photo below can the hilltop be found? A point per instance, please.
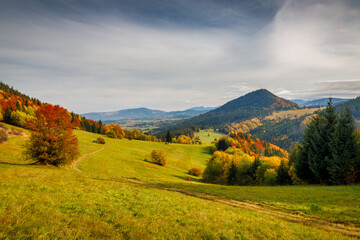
(258, 103)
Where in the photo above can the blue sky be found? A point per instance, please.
(105, 55)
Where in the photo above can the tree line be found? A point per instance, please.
(329, 154)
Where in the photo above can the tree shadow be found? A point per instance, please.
(187, 178)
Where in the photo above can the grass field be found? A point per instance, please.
(119, 195)
(209, 135)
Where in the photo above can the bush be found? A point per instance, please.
(100, 140)
(195, 172)
(158, 156)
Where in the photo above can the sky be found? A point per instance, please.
(107, 55)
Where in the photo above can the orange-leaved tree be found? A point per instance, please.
(52, 140)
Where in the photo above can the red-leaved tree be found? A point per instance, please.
(52, 141)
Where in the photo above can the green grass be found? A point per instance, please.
(209, 135)
(52, 203)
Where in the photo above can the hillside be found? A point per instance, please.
(116, 194)
(146, 114)
(322, 102)
(259, 103)
(354, 106)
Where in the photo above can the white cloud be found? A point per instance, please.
(108, 63)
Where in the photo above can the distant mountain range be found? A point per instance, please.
(322, 102)
(146, 114)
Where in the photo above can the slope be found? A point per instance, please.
(259, 103)
(105, 201)
(354, 106)
(146, 114)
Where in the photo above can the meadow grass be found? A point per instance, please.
(50, 202)
(209, 135)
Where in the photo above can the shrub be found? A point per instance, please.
(100, 140)
(188, 178)
(195, 172)
(158, 156)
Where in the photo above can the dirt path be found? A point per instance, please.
(308, 220)
(75, 163)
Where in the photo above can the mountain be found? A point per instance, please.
(354, 105)
(299, 102)
(322, 102)
(146, 114)
(254, 104)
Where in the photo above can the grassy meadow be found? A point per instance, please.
(209, 135)
(119, 195)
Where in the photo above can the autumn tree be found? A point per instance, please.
(52, 141)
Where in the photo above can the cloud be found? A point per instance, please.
(108, 56)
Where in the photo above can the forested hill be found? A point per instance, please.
(146, 114)
(354, 106)
(259, 103)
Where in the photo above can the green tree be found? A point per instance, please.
(283, 177)
(345, 163)
(253, 168)
(168, 137)
(223, 144)
(270, 176)
(231, 178)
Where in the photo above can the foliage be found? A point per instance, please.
(283, 133)
(283, 177)
(329, 153)
(100, 140)
(168, 137)
(345, 165)
(353, 105)
(19, 118)
(223, 144)
(52, 141)
(232, 173)
(195, 172)
(270, 177)
(158, 156)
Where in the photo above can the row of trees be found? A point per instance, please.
(330, 151)
(230, 169)
(249, 145)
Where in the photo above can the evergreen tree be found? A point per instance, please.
(7, 118)
(168, 137)
(345, 161)
(253, 168)
(302, 168)
(316, 142)
(283, 177)
(231, 178)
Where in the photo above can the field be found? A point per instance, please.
(117, 194)
(209, 135)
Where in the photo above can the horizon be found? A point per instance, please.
(101, 56)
